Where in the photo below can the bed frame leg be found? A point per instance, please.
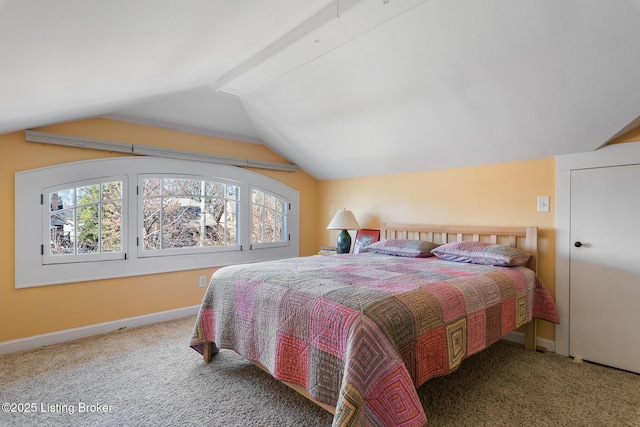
(207, 351)
(530, 335)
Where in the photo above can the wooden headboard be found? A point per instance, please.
(524, 238)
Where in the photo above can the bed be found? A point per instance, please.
(359, 333)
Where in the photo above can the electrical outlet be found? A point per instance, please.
(203, 282)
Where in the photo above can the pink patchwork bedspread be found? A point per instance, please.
(362, 332)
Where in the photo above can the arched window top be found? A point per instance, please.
(145, 215)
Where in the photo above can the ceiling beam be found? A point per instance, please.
(335, 25)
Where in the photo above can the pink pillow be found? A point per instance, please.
(481, 253)
(402, 247)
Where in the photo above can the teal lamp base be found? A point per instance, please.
(344, 242)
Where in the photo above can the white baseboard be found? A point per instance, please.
(518, 337)
(102, 328)
(87, 331)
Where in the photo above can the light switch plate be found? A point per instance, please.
(543, 203)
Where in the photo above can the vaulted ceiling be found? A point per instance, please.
(342, 88)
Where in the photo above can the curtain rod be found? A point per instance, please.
(147, 150)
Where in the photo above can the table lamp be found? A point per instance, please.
(343, 220)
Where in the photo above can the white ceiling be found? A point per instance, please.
(343, 89)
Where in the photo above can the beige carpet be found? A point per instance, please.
(148, 376)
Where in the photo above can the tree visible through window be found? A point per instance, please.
(189, 213)
(269, 217)
(86, 219)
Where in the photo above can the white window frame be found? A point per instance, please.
(267, 245)
(48, 258)
(30, 270)
(142, 252)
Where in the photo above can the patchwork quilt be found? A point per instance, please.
(362, 332)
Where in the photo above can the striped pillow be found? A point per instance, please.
(481, 253)
(402, 247)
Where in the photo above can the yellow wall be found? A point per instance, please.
(502, 194)
(34, 311)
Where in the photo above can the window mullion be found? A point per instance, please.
(275, 226)
(265, 219)
(161, 217)
(75, 222)
(100, 200)
(203, 214)
(75, 230)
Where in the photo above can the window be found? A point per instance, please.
(269, 219)
(85, 221)
(179, 215)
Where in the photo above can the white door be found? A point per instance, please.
(605, 266)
